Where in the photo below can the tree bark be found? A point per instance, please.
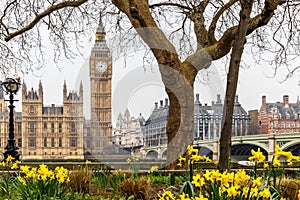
(232, 79)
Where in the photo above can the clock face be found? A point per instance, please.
(101, 66)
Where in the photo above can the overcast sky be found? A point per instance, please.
(138, 89)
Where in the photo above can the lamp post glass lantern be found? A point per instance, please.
(11, 87)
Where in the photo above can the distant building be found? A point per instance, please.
(154, 129)
(207, 119)
(207, 122)
(279, 117)
(128, 132)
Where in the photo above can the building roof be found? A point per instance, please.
(214, 110)
(73, 96)
(290, 111)
(53, 110)
(32, 94)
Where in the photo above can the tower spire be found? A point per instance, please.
(100, 32)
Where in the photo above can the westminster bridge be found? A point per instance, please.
(240, 146)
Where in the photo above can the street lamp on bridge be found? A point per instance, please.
(11, 87)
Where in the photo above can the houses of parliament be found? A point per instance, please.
(62, 132)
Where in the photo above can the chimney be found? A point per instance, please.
(161, 103)
(286, 99)
(218, 98)
(263, 100)
(237, 103)
(156, 105)
(197, 98)
(166, 102)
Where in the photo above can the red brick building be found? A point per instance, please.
(279, 117)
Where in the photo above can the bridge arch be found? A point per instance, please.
(204, 151)
(152, 154)
(242, 151)
(293, 147)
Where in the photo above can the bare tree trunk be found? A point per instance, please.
(232, 79)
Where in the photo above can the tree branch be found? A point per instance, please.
(48, 11)
(170, 4)
(223, 46)
(213, 24)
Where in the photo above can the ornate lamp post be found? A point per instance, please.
(11, 87)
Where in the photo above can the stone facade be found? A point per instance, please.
(51, 131)
(279, 117)
(128, 134)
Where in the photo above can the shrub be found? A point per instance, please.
(139, 188)
(80, 180)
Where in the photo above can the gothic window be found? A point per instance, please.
(45, 142)
(52, 127)
(59, 127)
(52, 142)
(73, 110)
(31, 127)
(19, 127)
(73, 142)
(19, 142)
(31, 142)
(73, 127)
(45, 125)
(31, 110)
(59, 142)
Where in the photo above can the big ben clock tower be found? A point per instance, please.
(100, 83)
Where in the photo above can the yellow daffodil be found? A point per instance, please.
(201, 197)
(184, 196)
(257, 182)
(15, 166)
(257, 156)
(265, 193)
(241, 176)
(9, 159)
(254, 192)
(153, 169)
(207, 175)
(24, 169)
(22, 180)
(87, 162)
(198, 181)
(276, 162)
(166, 195)
(266, 165)
(232, 191)
(181, 159)
(3, 164)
